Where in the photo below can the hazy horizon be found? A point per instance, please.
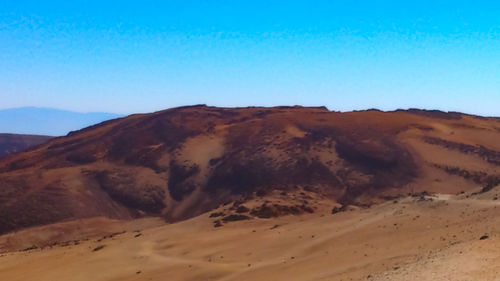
(120, 114)
(48, 121)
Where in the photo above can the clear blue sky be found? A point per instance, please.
(124, 56)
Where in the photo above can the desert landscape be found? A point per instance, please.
(278, 193)
(249, 140)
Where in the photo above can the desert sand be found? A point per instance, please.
(436, 237)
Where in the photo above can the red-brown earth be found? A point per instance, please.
(285, 193)
(182, 162)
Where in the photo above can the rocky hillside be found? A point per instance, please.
(182, 162)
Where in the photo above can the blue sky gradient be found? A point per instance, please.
(140, 56)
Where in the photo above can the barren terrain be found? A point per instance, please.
(284, 193)
(182, 162)
(433, 238)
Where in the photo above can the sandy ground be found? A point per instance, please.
(407, 239)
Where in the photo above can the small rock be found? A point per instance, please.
(98, 248)
(242, 209)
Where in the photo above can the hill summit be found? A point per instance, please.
(182, 162)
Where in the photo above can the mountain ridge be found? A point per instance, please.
(181, 162)
(12, 143)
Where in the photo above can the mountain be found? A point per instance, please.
(47, 121)
(11, 143)
(179, 163)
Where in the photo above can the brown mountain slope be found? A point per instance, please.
(12, 143)
(181, 162)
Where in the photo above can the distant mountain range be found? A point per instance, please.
(11, 143)
(48, 121)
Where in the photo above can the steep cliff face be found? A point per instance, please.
(181, 162)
